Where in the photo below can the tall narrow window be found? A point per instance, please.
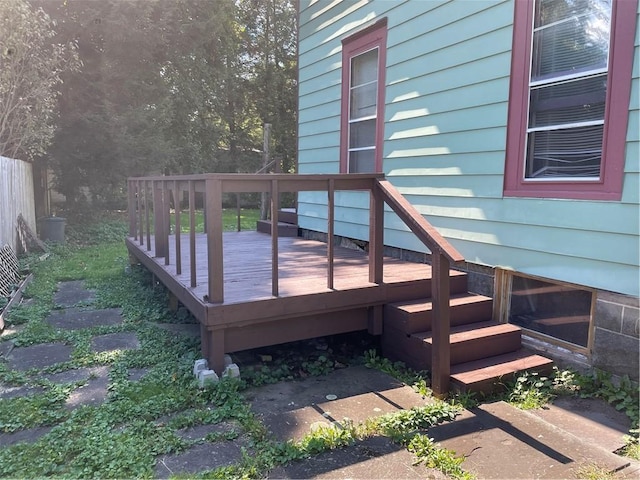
(570, 85)
(363, 63)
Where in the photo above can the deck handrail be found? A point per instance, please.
(156, 191)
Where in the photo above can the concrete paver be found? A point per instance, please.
(500, 441)
(115, 341)
(7, 391)
(76, 318)
(38, 356)
(72, 293)
(205, 456)
(23, 436)
(590, 419)
(93, 393)
(75, 375)
(373, 458)
(199, 432)
(289, 409)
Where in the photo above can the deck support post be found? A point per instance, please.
(375, 320)
(440, 325)
(215, 350)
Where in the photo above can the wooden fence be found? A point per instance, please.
(16, 197)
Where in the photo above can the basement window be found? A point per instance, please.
(556, 312)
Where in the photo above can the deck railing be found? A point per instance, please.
(149, 208)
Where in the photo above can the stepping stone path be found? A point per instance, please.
(38, 356)
(75, 318)
(70, 294)
(115, 341)
(205, 456)
(199, 432)
(22, 436)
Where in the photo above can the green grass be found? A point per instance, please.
(123, 437)
(248, 219)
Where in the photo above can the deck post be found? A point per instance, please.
(147, 211)
(166, 220)
(141, 205)
(192, 232)
(158, 219)
(275, 194)
(176, 201)
(132, 210)
(376, 235)
(215, 345)
(440, 325)
(213, 216)
(330, 221)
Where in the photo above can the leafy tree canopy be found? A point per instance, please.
(31, 68)
(180, 86)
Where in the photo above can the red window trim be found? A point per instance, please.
(609, 187)
(370, 37)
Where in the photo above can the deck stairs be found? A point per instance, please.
(287, 223)
(484, 353)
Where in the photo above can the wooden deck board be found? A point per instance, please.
(302, 267)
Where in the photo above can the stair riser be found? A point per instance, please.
(403, 292)
(398, 346)
(421, 321)
(416, 353)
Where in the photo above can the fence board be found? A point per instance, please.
(16, 197)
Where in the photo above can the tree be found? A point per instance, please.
(180, 86)
(31, 65)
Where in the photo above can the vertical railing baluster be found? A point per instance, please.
(440, 325)
(147, 201)
(177, 194)
(330, 227)
(192, 231)
(275, 195)
(166, 220)
(213, 215)
(158, 219)
(141, 207)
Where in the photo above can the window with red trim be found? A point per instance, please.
(569, 98)
(362, 115)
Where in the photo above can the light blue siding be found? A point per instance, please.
(446, 99)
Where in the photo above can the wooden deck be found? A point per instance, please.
(249, 289)
(305, 306)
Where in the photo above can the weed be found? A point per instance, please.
(594, 472)
(434, 456)
(418, 380)
(531, 390)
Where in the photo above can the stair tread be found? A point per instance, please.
(472, 331)
(422, 304)
(498, 366)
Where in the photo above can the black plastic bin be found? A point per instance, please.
(52, 229)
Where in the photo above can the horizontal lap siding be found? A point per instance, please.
(448, 66)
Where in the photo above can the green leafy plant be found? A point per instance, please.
(433, 456)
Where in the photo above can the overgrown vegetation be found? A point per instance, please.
(139, 421)
(123, 437)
